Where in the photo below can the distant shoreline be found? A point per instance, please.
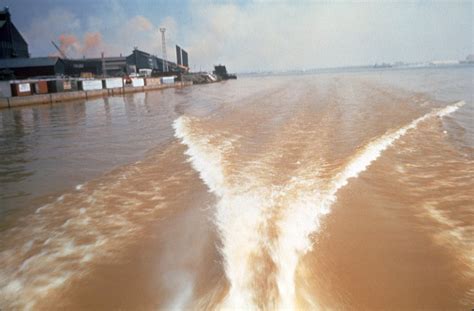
(351, 69)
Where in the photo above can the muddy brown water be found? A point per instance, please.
(331, 191)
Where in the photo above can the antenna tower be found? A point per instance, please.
(163, 48)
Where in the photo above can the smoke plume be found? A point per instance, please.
(73, 47)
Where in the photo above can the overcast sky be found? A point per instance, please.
(252, 35)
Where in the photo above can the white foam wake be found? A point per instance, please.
(258, 222)
(372, 151)
(205, 158)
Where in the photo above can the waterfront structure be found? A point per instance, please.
(143, 60)
(22, 68)
(113, 67)
(185, 58)
(182, 58)
(221, 72)
(16, 63)
(12, 43)
(179, 58)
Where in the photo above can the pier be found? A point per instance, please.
(50, 98)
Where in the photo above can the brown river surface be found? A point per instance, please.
(334, 191)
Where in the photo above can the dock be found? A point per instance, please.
(7, 102)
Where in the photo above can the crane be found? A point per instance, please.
(59, 50)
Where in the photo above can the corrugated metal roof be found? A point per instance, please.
(28, 62)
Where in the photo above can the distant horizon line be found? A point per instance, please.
(392, 66)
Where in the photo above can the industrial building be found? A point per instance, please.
(142, 60)
(15, 62)
(80, 67)
(221, 72)
(115, 66)
(12, 43)
(22, 68)
(182, 57)
(120, 66)
(107, 66)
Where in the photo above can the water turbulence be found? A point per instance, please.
(80, 228)
(324, 192)
(266, 213)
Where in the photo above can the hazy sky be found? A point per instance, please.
(252, 35)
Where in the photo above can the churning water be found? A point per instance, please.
(331, 191)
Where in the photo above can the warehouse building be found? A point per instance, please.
(80, 67)
(142, 60)
(113, 67)
(12, 43)
(137, 62)
(22, 68)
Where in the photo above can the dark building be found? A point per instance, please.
(78, 67)
(185, 58)
(118, 66)
(182, 58)
(114, 66)
(221, 72)
(21, 68)
(178, 55)
(142, 60)
(12, 43)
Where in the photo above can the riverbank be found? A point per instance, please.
(21, 101)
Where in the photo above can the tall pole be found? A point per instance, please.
(104, 70)
(163, 48)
